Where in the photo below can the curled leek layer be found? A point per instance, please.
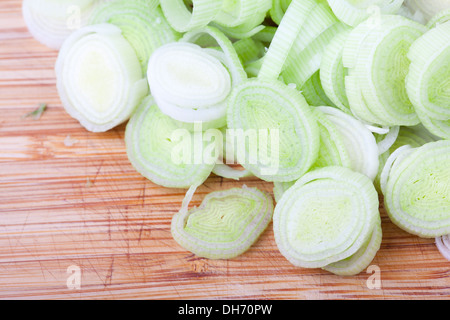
(183, 19)
(99, 78)
(443, 244)
(362, 258)
(191, 83)
(333, 73)
(428, 79)
(277, 136)
(417, 191)
(142, 23)
(225, 225)
(166, 152)
(52, 21)
(360, 143)
(237, 12)
(326, 216)
(376, 57)
(333, 147)
(353, 12)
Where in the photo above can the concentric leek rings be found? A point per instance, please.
(225, 225)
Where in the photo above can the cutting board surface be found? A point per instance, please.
(82, 206)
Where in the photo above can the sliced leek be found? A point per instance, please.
(325, 217)
(428, 79)
(99, 78)
(359, 141)
(191, 83)
(183, 18)
(353, 12)
(52, 21)
(225, 225)
(237, 12)
(165, 152)
(362, 258)
(142, 23)
(377, 94)
(417, 194)
(332, 72)
(279, 135)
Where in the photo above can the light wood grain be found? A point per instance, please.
(85, 205)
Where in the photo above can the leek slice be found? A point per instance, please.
(99, 78)
(152, 142)
(191, 83)
(362, 258)
(325, 217)
(184, 19)
(353, 12)
(359, 141)
(427, 82)
(313, 92)
(278, 9)
(332, 72)
(439, 18)
(284, 38)
(52, 21)
(237, 12)
(334, 150)
(142, 23)
(417, 194)
(270, 107)
(378, 95)
(225, 225)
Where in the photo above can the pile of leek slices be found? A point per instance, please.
(334, 102)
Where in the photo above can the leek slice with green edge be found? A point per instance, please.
(225, 225)
(313, 92)
(237, 12)
(333, 148)
(427, 82)
(279, 7)
(302, 65)
(52, 21)
(439, 18)
(325, 217)
(164, 151)
(183, 18)
(99, 77)
(332, 72)
(359, 141)
(377, 94)
(279, 133)
(417, 189)
(190, 83)
(353, 12)
(284, 38)
(142, 23)
(362, 258)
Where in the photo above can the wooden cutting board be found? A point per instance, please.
(79, 208)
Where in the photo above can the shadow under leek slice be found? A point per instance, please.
(165, 151)
(225, 225)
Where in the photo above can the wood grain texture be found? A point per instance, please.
(86, 206)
